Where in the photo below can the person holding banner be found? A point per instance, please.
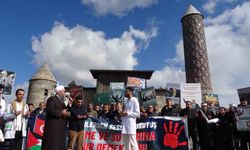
(205, 129)
(128, 116)
(191, 116)
(168, 109)
(54, 136)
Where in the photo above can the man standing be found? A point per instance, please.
(168, 109)
(106, 113)
(191, 116)
(76, 123)
(128, 115)
(55, 124)
(205, 130)
(15, 116)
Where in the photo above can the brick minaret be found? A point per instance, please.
(195, 51)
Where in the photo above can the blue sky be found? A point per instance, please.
(75, 36)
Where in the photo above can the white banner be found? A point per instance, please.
(191, 92)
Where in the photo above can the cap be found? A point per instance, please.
(59, 88)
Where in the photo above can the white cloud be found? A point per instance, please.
(168, 74)
(228, 48)
(211, 5)
(71, 52)
(116, 7)
(227, 37)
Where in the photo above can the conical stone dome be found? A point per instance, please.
(44, 73)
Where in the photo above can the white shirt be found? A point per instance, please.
(131, 106)
(3, 106)
(19, 117)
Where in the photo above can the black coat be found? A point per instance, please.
(192, 119)
(55, 125)
(75, 123)
(168, 111)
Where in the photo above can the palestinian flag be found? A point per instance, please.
(32, 142)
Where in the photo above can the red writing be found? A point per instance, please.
(145, 136)
(103, 135)
(88, 146)
(109, 147)
(116, 137)
(89, 135)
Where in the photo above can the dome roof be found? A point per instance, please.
(44, 73)
(191, 10)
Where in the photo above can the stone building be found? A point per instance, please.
(41, 86)
(195, 51)
(104, 77)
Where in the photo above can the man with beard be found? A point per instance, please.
(128, 115)
(205, 130)
(168, 109)
(55, 124)
(191, 116)
(76, 123)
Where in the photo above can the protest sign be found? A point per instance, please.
(7, 79)
(117, 90)
(173, 92)
(243, 124)
(191, 92)
(148, 97)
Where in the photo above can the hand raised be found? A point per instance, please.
(171, 138)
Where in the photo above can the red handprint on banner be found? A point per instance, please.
(171, 137)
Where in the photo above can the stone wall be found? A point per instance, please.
(39, 91)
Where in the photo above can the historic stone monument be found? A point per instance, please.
(41, 85)
(195, 51)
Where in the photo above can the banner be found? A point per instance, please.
(102, 98)
(117, 91)
(75, 91)
(7, 79)
(191, 92)
(136, 82)
(211, 99)
(243, 124)
(148, 97)
(154, 133)
(173, 92)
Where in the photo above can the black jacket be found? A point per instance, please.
(169, 111)
(74, 123)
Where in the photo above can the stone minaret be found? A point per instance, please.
(195, 51)
(41, 86)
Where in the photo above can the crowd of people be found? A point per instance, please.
(66, 119)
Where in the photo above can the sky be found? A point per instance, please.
(74, 36)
